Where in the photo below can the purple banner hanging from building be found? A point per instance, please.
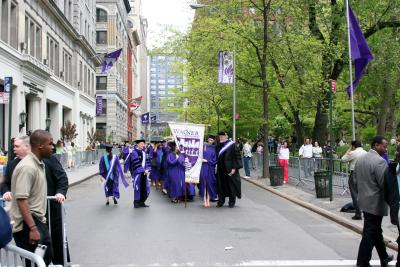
(99, 105)
(153, 119)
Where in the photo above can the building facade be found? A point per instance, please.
(47, 47)
(112, 33)
(140, 26)
(164, 82)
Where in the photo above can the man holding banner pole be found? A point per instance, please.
(228, 164)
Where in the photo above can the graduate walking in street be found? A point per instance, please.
(111, 172)
(138, 163)
(208, 181)
(228, 179)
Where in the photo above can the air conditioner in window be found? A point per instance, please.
(79, 84)
(46, 61)
(61, 74)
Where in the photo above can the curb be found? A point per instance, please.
(83, 180)
(327, 214)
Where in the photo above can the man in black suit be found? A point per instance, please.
(57, 185)
(228, 178)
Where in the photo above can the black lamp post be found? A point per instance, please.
(22, 120)
(48, 123)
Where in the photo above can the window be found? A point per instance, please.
(101, 83)
(13, 25)
(104, 106)
(101, 37)
(85, 88)
(52, 54)
(67, 67)
(101, 15)
(33, 38)
(80, 75)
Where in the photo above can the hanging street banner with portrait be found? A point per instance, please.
(145, 118)
(189, 138)
(225, 67)
(134, 104)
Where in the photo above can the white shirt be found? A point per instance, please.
(306, 151)
(247, 150)
(283, 153)
(317, 152)
(353, 156)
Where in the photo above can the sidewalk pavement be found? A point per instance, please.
(81, 174)
(306, 197)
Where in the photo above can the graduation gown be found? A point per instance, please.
(208, 181)
(124, 152)
(156, 165)
(228, 158)
(165, 167)
(138, 162)
(176, 175)
(111, 171)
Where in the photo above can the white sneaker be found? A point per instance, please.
(247, 177)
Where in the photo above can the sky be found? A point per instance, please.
(160, 13)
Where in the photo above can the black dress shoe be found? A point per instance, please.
(137, 205)
(219, 205)
(356, 217)
(386, 261)
(144, 205)
(115, 201)
(107, 203)
(231, 205)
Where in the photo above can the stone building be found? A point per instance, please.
(47, 47)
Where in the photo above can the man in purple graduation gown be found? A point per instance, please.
(164, 167)
(111, 172)
(228, 164)
(208, 181)
(138, 163)
(125, 151)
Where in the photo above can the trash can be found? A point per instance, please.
(276, 175)
(321, 179)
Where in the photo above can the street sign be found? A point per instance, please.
(5, 95)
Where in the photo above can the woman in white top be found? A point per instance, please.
(317, 150)
(283, 160)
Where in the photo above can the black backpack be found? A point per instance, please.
(5, 228)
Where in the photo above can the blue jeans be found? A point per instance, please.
(246, 161)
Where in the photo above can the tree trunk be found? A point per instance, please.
(320, 132)
(265, 132)
(383, 109)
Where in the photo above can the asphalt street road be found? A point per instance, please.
(263, 230)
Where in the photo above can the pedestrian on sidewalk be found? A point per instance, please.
(247, 157)
(29, 191)
(111, 172)
(317, 155)
(283, 160)
(305, 154)
(208, 181)
(139, 165)
(354, 152)
(229, 161)
(369, 174)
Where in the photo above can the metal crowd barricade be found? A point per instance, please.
(64, 228)
(80, 158)
(13, 256)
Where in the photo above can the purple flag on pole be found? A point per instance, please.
(109, 60)
(360, 52)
